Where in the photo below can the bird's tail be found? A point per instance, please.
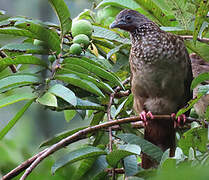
(162, 134)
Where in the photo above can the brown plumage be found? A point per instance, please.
(160, 76)
(200, 66)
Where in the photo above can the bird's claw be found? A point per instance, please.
(143, 115)
(180, 121)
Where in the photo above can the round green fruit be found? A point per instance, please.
(81, 27)
(51, 58)
(82, 39)
(75, 49)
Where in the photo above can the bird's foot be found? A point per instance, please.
(180, 121)
(143, 115)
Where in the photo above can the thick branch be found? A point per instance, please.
(35, 160)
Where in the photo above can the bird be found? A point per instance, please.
(161, 76)
(200, 66)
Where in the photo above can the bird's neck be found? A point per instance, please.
(148, 28)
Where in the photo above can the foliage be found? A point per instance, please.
(84, 83)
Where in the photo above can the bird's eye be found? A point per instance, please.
(128, 18)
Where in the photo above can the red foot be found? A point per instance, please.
(143, 115)
(180, 121)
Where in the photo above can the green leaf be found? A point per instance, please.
(104, 33)
(195, 138)
(14, 120)
(169, 164)
(48, 99)
(95, 69)
(49, 36)
(130, 165)
(17, 32)
(131, 148)
(97, 82)
(189, 106)
(77, 155)
(83, 84)
(130, 162)
(17, 80)
(5, 101)
(200, 17)
(84, 167)
(150, 149)
(82, 105)
(114, 50)
(147, 174)
(92, 59)
(199, 79)
(64, 93)
(63, 14)
(176, 30)
(60, 136)
(98, 116)
(22, 59)
(120, 107)
(73, 67)
(130, 4)
(27, 48)
(201, 49)
(97, 171)
(69, 114)
(115, 156)
(155, 11)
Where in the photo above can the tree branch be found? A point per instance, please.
(31, 163)
(204, 40)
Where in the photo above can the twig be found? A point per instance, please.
(55, 65)
(12, 67)
(109, 118)
(117, 170)
(22, 166)
(204, 40)
(35, 160)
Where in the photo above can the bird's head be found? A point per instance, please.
(129, 20)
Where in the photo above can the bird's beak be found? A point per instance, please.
(117, 24)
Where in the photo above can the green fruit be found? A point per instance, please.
(39, 43)
(75, 49)
(82, 39)
(51, 58)
(81, 27)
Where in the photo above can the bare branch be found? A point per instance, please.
(82, 134)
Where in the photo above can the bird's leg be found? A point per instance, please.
(180, 121)
(143, 115)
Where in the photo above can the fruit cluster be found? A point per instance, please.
(81, 31)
